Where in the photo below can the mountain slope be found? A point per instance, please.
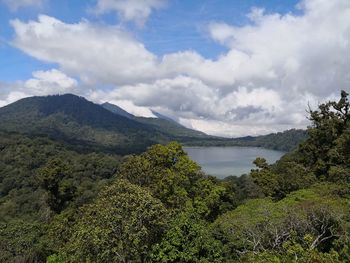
(161, 116)
(117, 110)
(282, 141)
(85, 126)
(78, 122)
(162, 124)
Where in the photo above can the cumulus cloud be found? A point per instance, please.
(43, 83)
(14, 5)
(98, 54)
(129, 10)
(49, 82)
(273, 67)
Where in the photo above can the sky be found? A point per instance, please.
(226, 67)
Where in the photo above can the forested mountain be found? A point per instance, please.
(77, 122)
(161, 124)
(57, 205)
(283, 141)
(85, 126)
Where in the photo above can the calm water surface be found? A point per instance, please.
(225, 161)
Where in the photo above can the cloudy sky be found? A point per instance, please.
(231, 68)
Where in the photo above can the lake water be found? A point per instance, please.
(224, 161)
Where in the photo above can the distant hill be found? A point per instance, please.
(85, 126)
(281, 141)
(162, 124)
(77, 122)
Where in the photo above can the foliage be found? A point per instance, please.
(66, 206)
(20, 241)
(173, 178)
(308, 222)
(120, 226)
(282, 141)
(87, 127)
(188, 239)
(327, 145)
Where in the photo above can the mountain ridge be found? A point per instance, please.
(86, 126)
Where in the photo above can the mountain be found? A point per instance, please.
(282, 141)
(117, 110)
(161, 116)
(85, 126)
(161, 124)
(79, 123)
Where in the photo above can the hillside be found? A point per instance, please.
(117, 110)
(282, 141)
(77, 122)
(57, 204)
(85, 126)
(161, 123)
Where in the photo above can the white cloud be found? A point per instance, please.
(96, 53)
(129, 10)
(14, 5)
(43, 83)
(272, 69)
(50, 82)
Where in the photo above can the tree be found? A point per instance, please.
(188, 239)
(166, 171)
(264, 177)
(329, 123)
(308, 222)
(54, 179)
(120, 226)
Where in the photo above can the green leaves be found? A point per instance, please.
(54, 179)
(305, 221)
(188, 239)
(121, 225)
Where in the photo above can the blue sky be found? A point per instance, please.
(180, 25)
(230, 68)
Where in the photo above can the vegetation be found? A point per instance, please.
(60, 205)
(282, 141)
(87, 127)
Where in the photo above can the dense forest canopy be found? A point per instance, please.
(60, 205)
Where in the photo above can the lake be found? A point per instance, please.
(224, 161)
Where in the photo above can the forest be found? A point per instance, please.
(59, 205)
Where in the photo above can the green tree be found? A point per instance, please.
(54, 179)
(188, 239)
(329, 122)
(120, 226)
(264, 177)
(305, 223)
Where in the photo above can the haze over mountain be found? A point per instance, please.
(117, 110)
(85, 126)
(161, 123)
